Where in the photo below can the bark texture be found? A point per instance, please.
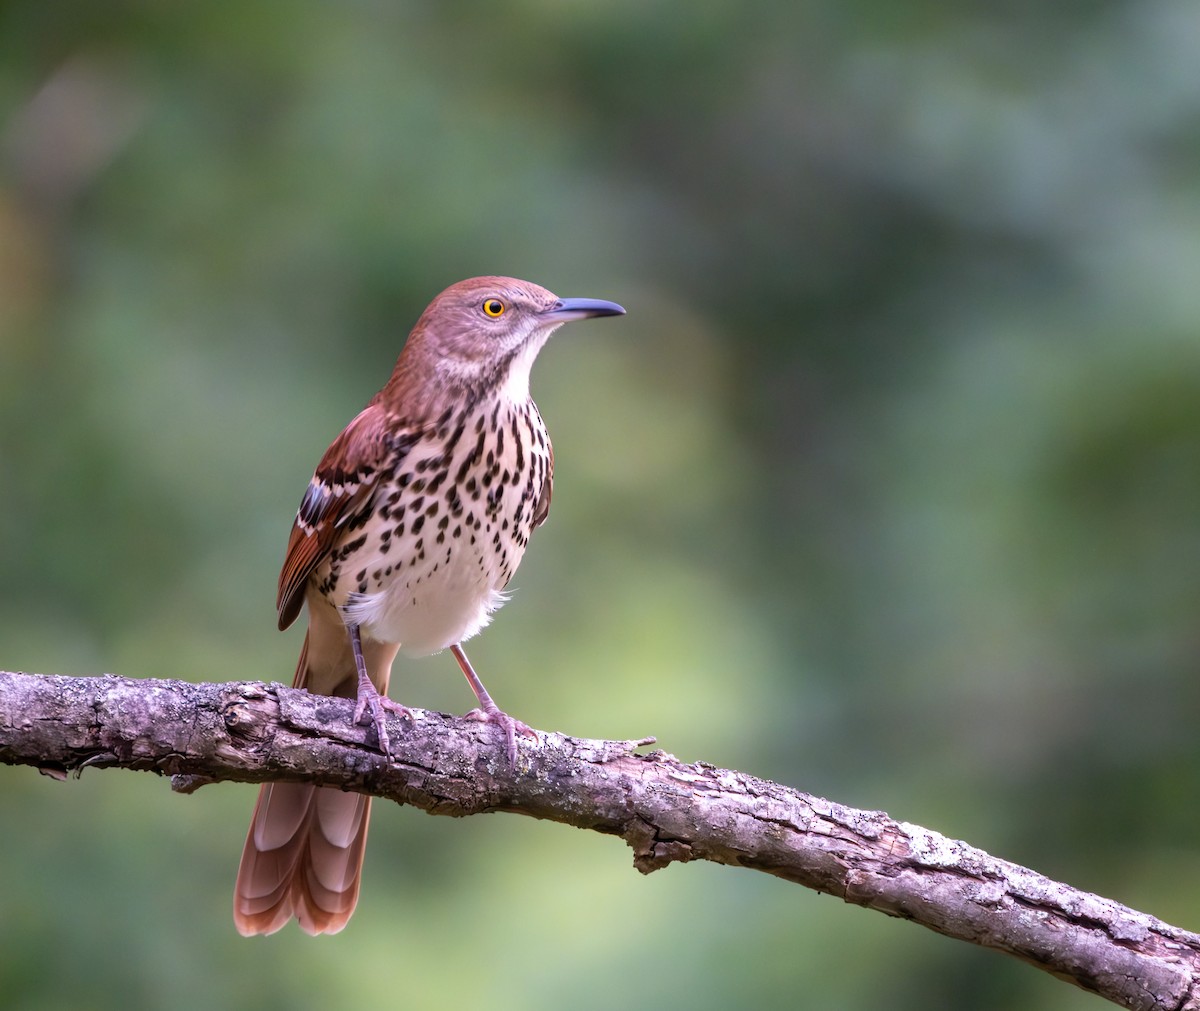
(667, 811)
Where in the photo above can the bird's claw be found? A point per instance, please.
(509, 724)
(379, 705)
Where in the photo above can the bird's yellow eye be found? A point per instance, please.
(493, 307)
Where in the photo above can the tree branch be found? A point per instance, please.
(666, 811)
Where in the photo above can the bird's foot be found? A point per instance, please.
(378, 706)
(369, 697)
(512, 727)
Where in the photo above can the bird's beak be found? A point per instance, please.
(567, 309)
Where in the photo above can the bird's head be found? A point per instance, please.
(485, 332)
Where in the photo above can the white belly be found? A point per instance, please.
(427, 611)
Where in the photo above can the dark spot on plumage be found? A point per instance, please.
(441, 537)
(491, 458)
(457, 532)
(404, 479)
(419, 484)
(436, 481)
(432, 510)
(479, 423)
(460, 427)
(443, 522)
(447, 414)
(349, 548)
(418, 503)
(399, 529)
(402, 442)
(463, 469)
(488, 476)
(418, 523)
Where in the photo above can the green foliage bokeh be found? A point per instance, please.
(886, 487)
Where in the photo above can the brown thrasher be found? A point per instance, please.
(414, 522)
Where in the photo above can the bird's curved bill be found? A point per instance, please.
(566, 309)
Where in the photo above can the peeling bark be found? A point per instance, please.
(665, 810)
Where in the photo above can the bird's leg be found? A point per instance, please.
(488, 711)
(369, 696)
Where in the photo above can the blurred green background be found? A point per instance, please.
(886, 487)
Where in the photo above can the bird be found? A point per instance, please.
(414, 522)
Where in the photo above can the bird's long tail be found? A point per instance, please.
(304, 851)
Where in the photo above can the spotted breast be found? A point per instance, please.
(447, 526)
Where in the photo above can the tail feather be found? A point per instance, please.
(304, 851)
(308, 866)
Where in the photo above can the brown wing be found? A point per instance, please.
(338, 499)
